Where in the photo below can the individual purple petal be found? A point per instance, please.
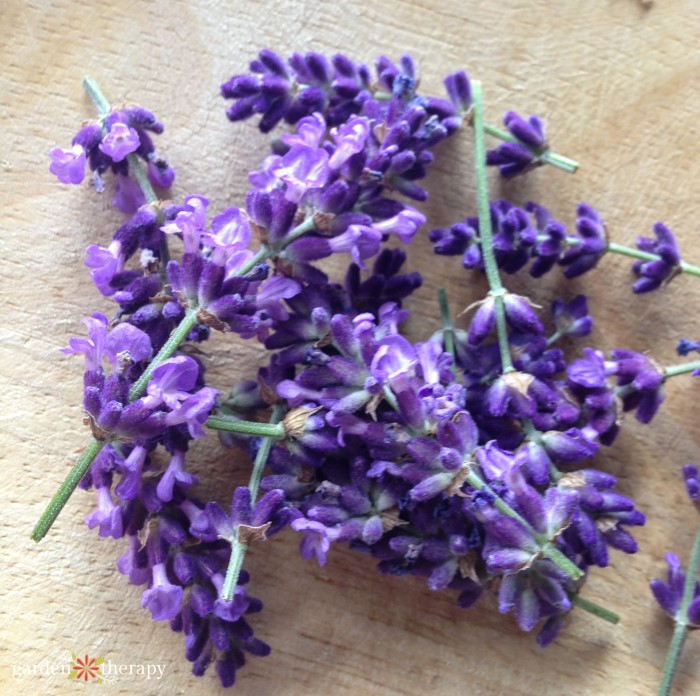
(126, 337)
(94, 346)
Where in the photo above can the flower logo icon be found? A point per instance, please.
(86, 668)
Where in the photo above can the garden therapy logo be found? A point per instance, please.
(86, 669)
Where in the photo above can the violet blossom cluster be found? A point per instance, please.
(531, 235)
(105, 145)
(319, 193)
(670, 594)
(429, 455)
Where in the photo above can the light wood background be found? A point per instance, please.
(616, 80)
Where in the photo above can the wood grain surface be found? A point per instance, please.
(616, 80)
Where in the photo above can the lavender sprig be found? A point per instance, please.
(680, 599)
(238, 545)
(497, 291)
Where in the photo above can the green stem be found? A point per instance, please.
(176, 338)
(681, 629)
(66, 489)
(646, 256)
(485, 232)
(595, 609)
(238, 549)
(448, 333)
(171, 345)
(547, 156)
(554, 337)
(233, 425)
(141, 179)
(548, 549)
(675, 370)
(97, 96)
(306, 226)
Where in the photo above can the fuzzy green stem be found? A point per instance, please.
(233, 425)
(646, 256)
(238, 548)
(171, 345)
(305, 226)
(681, 630)
(97, 96)
(683, 369)
(554, 337)
(595, 609)
(547, 156)
(141, 179)
(548, 549)
(485, 232)
(66, 489)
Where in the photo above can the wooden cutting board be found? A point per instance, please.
(617, 82)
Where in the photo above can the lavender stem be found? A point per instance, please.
(681, 630)
(238, 549)
(65, 490)
(485, 233)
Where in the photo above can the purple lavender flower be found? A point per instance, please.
(513, 158)
(572, 319)
(316, 541)
(105, 264)
(163, 598)
(125, 132)
(194, 411)
(641, 382)
(652, 274)
(120, 141)
(686, 346)
(68, 166)
(534, 593)
(246, 522)
(551, 240)
(670, 594)
(691, 477)
(587, 248)
(459, 91)
(172, 381)
(108, 515)
(175, 475)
